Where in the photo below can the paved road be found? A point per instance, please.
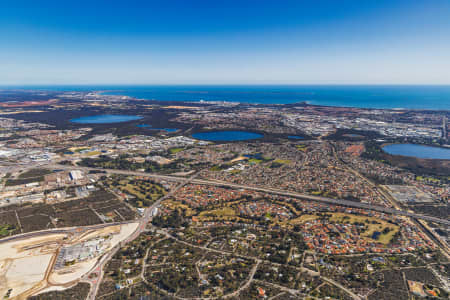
(348, 291)
(146, 218)
(247, 283)
(66, 230)
(267, 190)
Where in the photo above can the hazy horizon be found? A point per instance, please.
(231, 84)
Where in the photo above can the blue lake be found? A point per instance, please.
(227, 136)
(419, 151)
(105, 119)
(165, 129)
(295, 137)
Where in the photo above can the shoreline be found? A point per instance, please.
(308, 102)
(371, 104)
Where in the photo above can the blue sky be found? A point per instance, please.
(225, 42)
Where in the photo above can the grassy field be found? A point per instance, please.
(302, 219)
(6, 229)
(175, 150)
(77, 149)
(301, 147)
(221, 212)
(282, 161)
(93, 153)
(215, 168)
(136, 191)
(145, 192)
(131, 189)
(255, 161)
(369, 222)
(222, 218)
(171, 204)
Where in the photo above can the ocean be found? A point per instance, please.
(364, 96)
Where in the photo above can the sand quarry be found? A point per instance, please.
(26, 265)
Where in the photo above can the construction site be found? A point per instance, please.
(54, 260)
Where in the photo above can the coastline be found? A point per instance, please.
(263, 95)
(374, 97)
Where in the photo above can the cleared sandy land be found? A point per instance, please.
(238, 159)
(20, 112)
(35, 245)
(125, 231)
(69, 274)
(25, 265)
(115, 229)
(53, 288)
(24, 273)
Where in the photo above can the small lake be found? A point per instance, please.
(227, 136)
(295, 137)
(419, 151)
(105, 119)
(165, 129)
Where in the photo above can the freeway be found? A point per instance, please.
(326, 200)
(266, 190)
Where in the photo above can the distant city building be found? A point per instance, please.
(76, 175)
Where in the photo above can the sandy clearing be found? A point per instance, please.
(125, 231)
(20, 112)
(113, 229)
(23, 263)
(23, 273)
(72, 273)
(18, 248)
(238, 159)
(53, 288)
